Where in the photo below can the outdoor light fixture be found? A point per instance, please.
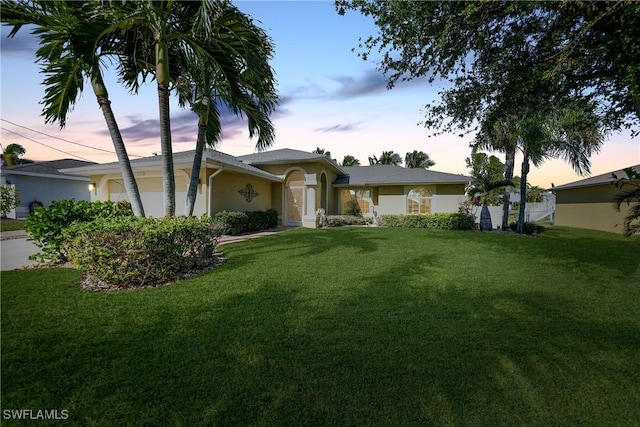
(92, 186)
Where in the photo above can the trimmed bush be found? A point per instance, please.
(132, 252)
(530, 228)
(343, 220)
(236, 223)
(46, 225)
(440, 221)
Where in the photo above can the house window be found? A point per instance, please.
(355, 202)
(419, 201)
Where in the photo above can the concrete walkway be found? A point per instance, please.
(15, 248)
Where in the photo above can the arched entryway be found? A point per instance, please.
(323, 192)
(294, 198)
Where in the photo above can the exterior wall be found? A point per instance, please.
(277, 201)
(151, 194)
(447, 197)
(393, 199)
(111, 187)
(225, 189)
(589, 207)
(45, 190)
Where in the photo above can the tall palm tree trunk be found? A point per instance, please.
(195, 169)
(509, 165)
(128, 178)
(168, 178)
(523, 191)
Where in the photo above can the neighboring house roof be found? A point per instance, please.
(185, 158)
(288, 155)
(605, 178)
(395, 175)
(48, 169)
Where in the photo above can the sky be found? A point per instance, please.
(329, 98)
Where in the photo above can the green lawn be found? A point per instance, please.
(353, 326)
(8, 224)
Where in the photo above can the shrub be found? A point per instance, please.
(342, 220)
(8, 199)
(235, 223)
(530, 228)
(131, 252)
(46, 225)
(353, 208)
(441, 221)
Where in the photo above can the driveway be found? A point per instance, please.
(14, 252)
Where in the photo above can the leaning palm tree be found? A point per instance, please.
(249, 92)
(630, 194)
(418, 160)
(73, 42)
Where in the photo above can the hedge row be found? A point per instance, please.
(344, 220)
(440, 221)
(235, 223)
(133, 252)
(46, 225)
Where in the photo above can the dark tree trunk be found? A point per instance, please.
(523, 192)
(128, 178)
(195, 169)
(168, 177)
(509, 164)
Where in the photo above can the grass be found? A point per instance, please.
(8, 224)
(354, 326)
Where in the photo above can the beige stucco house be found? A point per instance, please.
(588, 203)
(294, 183)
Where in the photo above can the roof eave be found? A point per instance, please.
(62, 175)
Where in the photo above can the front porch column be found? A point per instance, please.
(309, 219)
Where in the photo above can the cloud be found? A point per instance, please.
(23, 43)
(338, 128)
(370, 83)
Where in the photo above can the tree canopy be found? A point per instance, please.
(501, 55)
(418, 159)
(386, 158)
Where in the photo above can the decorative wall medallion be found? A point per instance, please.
(249, 193)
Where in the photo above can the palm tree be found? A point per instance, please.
(573, 133)
(387, 158)
(349, 160)
(249, 91)
(165, 34)
(486, 172)
(72, 44)
(418, 160)
(629, 194)
(497, 133)
(319, 150)
(11, 155)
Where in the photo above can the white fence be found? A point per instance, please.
(533, 212)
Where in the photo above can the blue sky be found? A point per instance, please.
(330, 98)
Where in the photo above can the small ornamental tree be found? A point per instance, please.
(8, 199)
(629, 194)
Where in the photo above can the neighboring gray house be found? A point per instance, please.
(42, 182)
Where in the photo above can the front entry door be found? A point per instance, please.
(295, 205)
